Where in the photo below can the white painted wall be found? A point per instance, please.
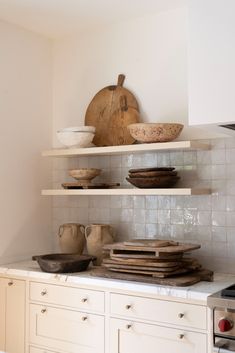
(26, 126)
(151, 51)
(211, 62)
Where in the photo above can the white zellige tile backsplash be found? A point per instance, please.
(207, 219)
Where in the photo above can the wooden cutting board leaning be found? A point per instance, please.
(111, 110)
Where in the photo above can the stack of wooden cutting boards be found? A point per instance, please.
(156, 261)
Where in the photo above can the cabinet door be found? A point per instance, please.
(129, 337)
(67, 330)
(2, 313)
(15, 316)
(12, 315)
(211, 56)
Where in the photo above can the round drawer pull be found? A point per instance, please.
(84, 300)
(10, 283)
(181, 336)
(180, 315)
(43, 311)
(43, 292)
(84, 318)
(128, 326)
(128, 306)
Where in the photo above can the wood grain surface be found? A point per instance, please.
(121, 248)
(111, 110)
(178, 281)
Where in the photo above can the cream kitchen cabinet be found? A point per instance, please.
(72, 297)
(12, 315)
(64, 318)
(211, 56)
(68, 318)
(185, 315)
(128, 336)
(67, 330)
(139, 324)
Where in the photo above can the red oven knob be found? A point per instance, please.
(225, 325)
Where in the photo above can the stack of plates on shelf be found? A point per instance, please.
(153, 177)
(157, 259)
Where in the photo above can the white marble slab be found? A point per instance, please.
(199, 291)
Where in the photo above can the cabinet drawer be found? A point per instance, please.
(40, 350)
(67, 330)
(127, 337)
(78, 298)
(159, 310)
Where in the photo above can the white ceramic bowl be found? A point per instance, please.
(79, 128)
(75, 138)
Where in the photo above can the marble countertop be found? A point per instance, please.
(199, 291)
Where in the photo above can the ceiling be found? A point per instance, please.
(56, 18)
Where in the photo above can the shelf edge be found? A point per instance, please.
(126, 191)
(138, 148)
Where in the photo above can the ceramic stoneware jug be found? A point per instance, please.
(98, 235)
(72, 238)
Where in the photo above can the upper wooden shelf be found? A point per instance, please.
(137, 148)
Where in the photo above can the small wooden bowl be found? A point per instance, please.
(84, 175)
(155, 132)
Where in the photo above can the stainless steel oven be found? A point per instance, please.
(222, 304)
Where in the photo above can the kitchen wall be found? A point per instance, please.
(151, 51)
(208, 219)
(26, 128)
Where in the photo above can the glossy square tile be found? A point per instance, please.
(205, 219)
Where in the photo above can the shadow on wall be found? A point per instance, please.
(30, 238)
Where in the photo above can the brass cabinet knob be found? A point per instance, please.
(128, 306)
(181, 315)
(43, 310)
(181, 336)
(84, 318)
(128, 326)
(84, 300)
(10, 283)
(43, 292)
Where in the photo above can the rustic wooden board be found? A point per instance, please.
(149, 242)
(177, 281)
(152, 266)
(146, 256)
(118, 132)
(139, 269)
(111, 110)
(145, 263)
(121, 248)
(157, 274)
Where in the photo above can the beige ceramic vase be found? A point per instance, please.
(98, 235)
(72, 238)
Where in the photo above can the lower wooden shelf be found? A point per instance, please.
(127, 191)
